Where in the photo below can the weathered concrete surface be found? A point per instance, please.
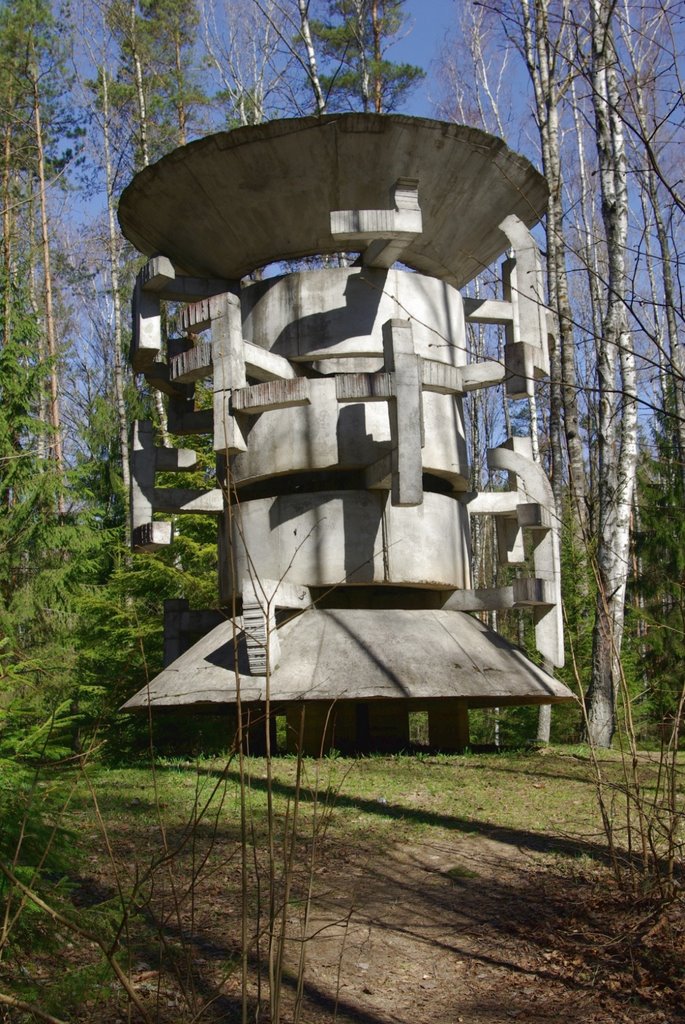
(334, 538)
(337, 415)
(325, 434)
(340, 312)
(231, 202)
(360, 654)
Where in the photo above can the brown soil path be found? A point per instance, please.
(470, 930)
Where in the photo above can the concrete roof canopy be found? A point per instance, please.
(234, 201)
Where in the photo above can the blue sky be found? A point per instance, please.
(429, 23)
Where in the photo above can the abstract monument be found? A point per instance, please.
(342, 488)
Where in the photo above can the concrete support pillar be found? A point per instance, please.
(388, 725)
(229, 372)
(448, 724)
(344, 736)
(318, 720)
(406, 413)
(254, 730)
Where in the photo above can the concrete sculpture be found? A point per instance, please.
(342, 483)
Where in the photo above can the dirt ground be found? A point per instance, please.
(425, 920)
(471, 930)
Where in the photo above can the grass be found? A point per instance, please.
(157, 853)
(542, 800)
(541, 792)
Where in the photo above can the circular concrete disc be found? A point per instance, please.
(360, 654)
(235, 201)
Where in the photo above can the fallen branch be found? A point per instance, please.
(18, 1004)
(84, 934)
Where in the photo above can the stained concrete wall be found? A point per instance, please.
(350, 537)
(340, 312)
(327, 435)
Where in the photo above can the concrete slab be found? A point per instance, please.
(360, 654)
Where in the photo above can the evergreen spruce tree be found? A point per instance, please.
(158, 80)
(660, 583)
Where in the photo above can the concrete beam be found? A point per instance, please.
(229, 374)
(378, 476)
(192, 365)
(484, 599)
(179, 500)
(197, 289)
(442, 378)
(483, 375)
(272, 394)
(158, 376)
(184, 420)
(488, 311)
(406, 414)
(364, 387)
(197, 316)
(151, 536)
(157, 274)
(533, 516)
(523, 593)
(532, 592)
(491, 503)
(265, 365)
(175, 460)
(382, 234)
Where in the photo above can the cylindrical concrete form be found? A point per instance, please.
(337, 414)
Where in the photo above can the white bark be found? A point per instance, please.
(242, 41)
(116, 298)
(305, 31)
(617, 389)
(145, 157)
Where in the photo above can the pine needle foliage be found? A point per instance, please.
(354, 40)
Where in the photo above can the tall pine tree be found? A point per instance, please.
(354, 40)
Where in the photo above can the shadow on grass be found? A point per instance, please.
(484, 920)
(520, 838)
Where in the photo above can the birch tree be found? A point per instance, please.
(616, 384)
(550, 75)
(244, 44)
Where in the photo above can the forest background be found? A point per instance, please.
(92, 92)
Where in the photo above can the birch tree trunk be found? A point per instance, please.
(141, 102)
(616, 380)
(542, 54)
(377, 57)
(116, 299)
(312, 68)
(143, 136)
(651, 73)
